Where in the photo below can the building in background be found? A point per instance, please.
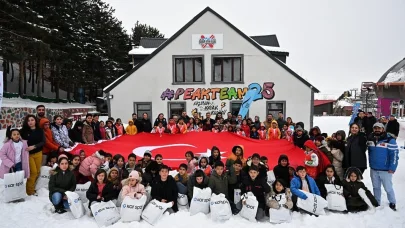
(323, 107)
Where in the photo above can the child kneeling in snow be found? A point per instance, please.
(303, 182)
(133, 187)
(358, 197)
(14, 154)
(181, 179)
(100, 190)
(275, 198)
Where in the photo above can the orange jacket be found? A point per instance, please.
(50, 143)
(274, 133)
(131, 129)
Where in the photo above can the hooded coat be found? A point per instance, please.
(274, 133)
(7, 156)
(50, 144)
(355, 151)
(313, 135)
(232, 158)
(212, 160)
(91, 164)
(131, 129)
(87, 133)
(61, 182)
(219, 183)
(61, 135)
(282, 172)
(323, 160)
(337, 150)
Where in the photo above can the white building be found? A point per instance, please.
(208, 66)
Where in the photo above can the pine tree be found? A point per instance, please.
(144, 30)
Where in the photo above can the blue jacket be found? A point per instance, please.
(296, 186)
(383, 152)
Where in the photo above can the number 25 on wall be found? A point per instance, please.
(267, 91)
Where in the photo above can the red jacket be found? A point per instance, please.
(246, 129)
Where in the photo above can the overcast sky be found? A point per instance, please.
(335, 45)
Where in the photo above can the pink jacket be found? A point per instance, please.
(90, 165)
(7, 156)
(139, 189)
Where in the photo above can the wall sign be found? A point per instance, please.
(202, 107)
(253, 92)
(207, 41)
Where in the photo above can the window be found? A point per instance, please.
(227, 69)
(188, 69)
(274, 107)
(176, 108)
(235, 107)
(142, 107)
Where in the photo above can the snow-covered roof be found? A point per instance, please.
(273, 49)
(395, 74)
(105, 88)
(343, 103)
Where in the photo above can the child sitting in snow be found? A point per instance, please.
(14, 154)
(181, 179)
(133, 187)
(90, 165)
(120, 165)
(315, 161)
(191, 162)
(282, 170)
(303, 182)
(100, 190)
(328, 177)
(113, 177)
(280, 196)
(203, 165)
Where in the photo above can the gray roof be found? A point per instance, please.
(396, 68)
(266, 40)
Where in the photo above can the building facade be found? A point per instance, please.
(211, 66)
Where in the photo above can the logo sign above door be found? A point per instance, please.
(207, 41)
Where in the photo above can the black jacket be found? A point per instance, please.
(165, 190)
(355, 151)
(62, 182)
(137, 124)
(108, 192)
(238, 185)
(322, 180)
(354, 202)
(281, 123)
(299, 141)
(191, 183)
(146, 126)
(258, 187)
(75, 134)
(147, 178)
(283, 173)
(96, 130)
(262, 171)
(393, 127)
(369, 124)
(34, 137)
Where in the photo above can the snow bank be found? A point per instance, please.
(398, 76)
(26, 103)
(36, 210)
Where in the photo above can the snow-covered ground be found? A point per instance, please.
(27, 103)
(35, 211)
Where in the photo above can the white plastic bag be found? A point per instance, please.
(105, 213)
(148, 194)
(75, 204)
(201, 201)
(14, 186)
(182, 202)
(314, 204)
(363, 195)
(220, 208)
(249, 208)
(154, 211)
(131, 209)
(270, 177)
(236, 198)
(281, 215)
(43, 179)
(81, 190)
(335, 198)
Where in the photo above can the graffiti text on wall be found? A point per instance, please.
(209, 106)
(226, 93)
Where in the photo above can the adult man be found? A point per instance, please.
(267, 123)
(361, 120)
(136, 121)
(208, 122)
(146, 125)
(40, 112)
(383, 160)
(164, 189)
(371, 120)
(239, 120)
(96, 127)
(185, 117)
(393, 126)
(281, 121)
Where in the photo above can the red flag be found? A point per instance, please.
(173, 147)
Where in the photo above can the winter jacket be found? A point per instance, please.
(315, 161)
(134, 192)
(232, 158)
(35, 138)
(61, 182)
(120, 130)
(327, 152)
(281, 122)
(50, 144)
(246, 129)
(296, 185)
(273, 199)
(383, 152)
(144, 163)
(90, 165)
(219, 184)
(166, 190)
(299, 141)
(110, 133)
(76, 134)
(108, 192)
(323, 179)
(131, 129)
(354, 202)
(237, 185)
(262, 170)
(370, 123)
(87, 133)
(147, 178)
(282, 172)
(192, 182)
(7, 156)
(61, 135)
(182, 179)
(393, 127)
(337, 150)
(212, 160)
(274, 133)
(103, 134)
(258, 187)
(146, 125)
(254, 135)
(80, 179)
(312, 136)
(96, 130)
(122, 172)
(355, 151)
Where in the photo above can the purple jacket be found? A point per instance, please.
(7, 156)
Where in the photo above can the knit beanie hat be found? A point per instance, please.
(134, 174)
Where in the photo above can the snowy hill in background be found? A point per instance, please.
(36, 210)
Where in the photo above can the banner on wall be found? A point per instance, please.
(173, 147)
(207, 41)
(1, 89)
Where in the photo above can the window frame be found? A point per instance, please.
(237, 102)
(174, 57)
(276, 102)
(169, 115)
(242, 61)
(143, 111)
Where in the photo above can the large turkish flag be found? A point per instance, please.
(173, 147)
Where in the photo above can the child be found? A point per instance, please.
(131, 164)
(74, 168)
(254, 160)
(191, 162)
(282, 170)
(203, 165)
(52, 159)
(119, 127)
(200, 127)
(354, 198)
(337, 145)
(60, 132)
(172, 126)
(274, 199)
(14, 154)
(182, 126)
(240, 176)
(102, 131)
(100, 190)
(284, 130)
(328, 177)
(147, 156)
(82, 155)
(219, 180)
(90, 165)
(110, 130)
(259, 187)
(216, 128)
(321, 144)
(239, 131)
(254, 134)
(151, 171)
(108, 162)
(132, 187)
(215, 156)
(303, 182)
(315, 161)
(265, 161)
(231, 129)
(245, 128)
(159, 159)
(113, 177)
(291, 171)
(181, 179)
(131, 128)
(262, 132)
(289, 135)
(199, 180)
(122, 172)
(237, 153)
(159, 129)
(274, 132)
